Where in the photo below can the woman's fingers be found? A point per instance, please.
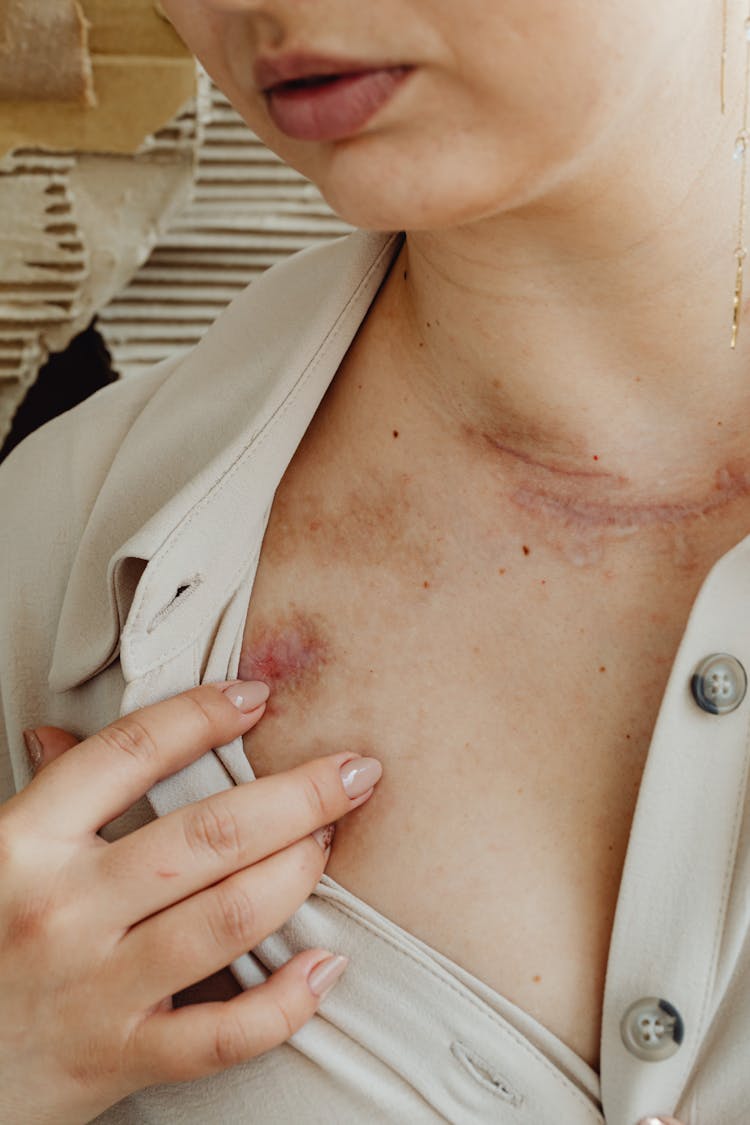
(97, 780)
(45, 743)
(111, 920)
(176, 948)
(199, 845)
(193, 1042)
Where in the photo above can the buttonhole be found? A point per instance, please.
(485, 1074)
(183, 593)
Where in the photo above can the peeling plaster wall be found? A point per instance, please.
(85, 189)
(44, 52)
(247, 211)
(73, 230)
(153, 210)
(142, 75)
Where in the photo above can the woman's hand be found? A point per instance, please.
(96, 937)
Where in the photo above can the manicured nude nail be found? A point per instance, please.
(248, 695)
(359, 775)
(324, 975)
(34, 747)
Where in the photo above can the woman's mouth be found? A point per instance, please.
(331, 107)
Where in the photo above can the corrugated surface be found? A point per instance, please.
(72, 230)
(85, 217)
(248, 210)
(44, 267)
(44, 52)
(142, 73)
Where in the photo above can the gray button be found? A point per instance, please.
(652, 1029)
(719, 683)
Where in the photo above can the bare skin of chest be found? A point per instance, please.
(511, 698)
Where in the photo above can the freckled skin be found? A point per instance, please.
(287, 653)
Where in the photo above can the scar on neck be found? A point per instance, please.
(287, 653)
(553, 496)
(549, 467)
(596, 514)
(582, 510)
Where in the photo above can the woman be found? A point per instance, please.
(465, 500)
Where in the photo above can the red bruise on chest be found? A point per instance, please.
(288, 654)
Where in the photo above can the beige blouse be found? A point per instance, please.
(109, 510)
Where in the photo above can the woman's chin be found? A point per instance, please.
(378, 181)
(394, 213)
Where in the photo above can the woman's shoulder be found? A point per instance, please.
(49, 484)
(78, 445)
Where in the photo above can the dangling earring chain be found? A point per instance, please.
(741, 145)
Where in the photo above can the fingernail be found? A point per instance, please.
(34, 747)
(659, 1121)
(248, 694)
(359, 775)
(326, 973)
(324, 836)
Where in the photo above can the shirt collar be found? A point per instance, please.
(183, 506)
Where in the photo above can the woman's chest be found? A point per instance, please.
(512, 719)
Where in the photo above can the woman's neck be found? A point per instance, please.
(590, 329)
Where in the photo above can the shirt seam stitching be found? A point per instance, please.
(255, 443)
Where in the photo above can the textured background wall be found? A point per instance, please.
(152, 231)
(247, 210)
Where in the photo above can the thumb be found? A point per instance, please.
(44, 744)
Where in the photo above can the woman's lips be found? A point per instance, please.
(335, 107)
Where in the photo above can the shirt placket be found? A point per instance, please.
(677, 875)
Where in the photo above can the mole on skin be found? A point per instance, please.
(288, 654)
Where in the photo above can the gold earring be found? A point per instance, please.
(741, 144)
